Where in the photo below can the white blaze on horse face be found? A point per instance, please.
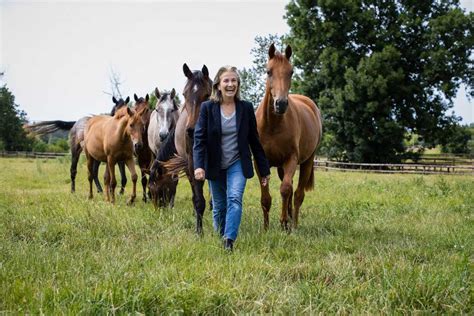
(164, 116)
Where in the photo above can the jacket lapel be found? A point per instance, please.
(238, 115)
(216, 113)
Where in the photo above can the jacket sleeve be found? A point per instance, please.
(255, 145)
(200, 138)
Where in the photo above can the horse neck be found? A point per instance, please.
(122, 131)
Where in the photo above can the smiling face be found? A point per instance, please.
(228, 85)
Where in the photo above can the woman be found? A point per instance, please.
(225, 134)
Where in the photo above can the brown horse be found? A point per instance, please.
(197, 90)
(144, 153)
(290, 130)
(112, 139)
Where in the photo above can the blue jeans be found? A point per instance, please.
(227, 193)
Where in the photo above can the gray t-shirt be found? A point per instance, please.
(229, 145)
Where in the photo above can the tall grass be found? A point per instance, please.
(366, 244)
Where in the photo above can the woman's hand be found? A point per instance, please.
(265, 180)
(199, 174)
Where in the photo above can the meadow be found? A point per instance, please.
(367, 244)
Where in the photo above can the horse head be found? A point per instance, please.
(142, 107)
(135, 127)
(118, 104)
(167, 112)
(198, 89)
(279, 73)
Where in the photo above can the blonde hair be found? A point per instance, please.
(216, 94)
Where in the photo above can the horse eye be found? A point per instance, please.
(291, 73)
(269, 73)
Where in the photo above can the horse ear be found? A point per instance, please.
(157, 93)
(288, 52)
(187, 72)
(173, 93)
(127, 100)
(114, 100)
(129, 111)
(135, 97)
(271, 51)
(147, 97)
(205, 71)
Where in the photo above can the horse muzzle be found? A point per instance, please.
(137, 146)
(280, 106)
(163, 136)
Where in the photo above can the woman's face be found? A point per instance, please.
(228, 84)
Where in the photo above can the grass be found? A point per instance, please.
(366, 244)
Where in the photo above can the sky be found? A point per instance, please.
(58, 55)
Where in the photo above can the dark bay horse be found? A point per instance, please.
(144, 154)
(290, 130)
(76, 138)
(197, 90)
(113, 139)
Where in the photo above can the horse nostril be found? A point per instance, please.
(163, 136)
(138, 146)
(281, 105)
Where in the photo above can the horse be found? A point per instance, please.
(197, 89)
(113, 139)
(163, 119)
(162, 126)
(76, 137)
(144, 154)
(290, 130)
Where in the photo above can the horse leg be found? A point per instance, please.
(90, 174)
(123, 176)
(199, 202)
(281, 173)
(305, 181)
(286, 190)
(96, 176)
(144, 183)
(75, 154)
(265, 200)
(113, 180)
(131, 167)
(107, 182)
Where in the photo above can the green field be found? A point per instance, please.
(367, 243)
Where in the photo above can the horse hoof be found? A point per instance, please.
(122, 191)
(130, 201)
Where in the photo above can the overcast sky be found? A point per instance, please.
(57, 55)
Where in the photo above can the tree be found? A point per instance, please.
(253, 79)
(380, 70)
(458, 140)
(12, 135)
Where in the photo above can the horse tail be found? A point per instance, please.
(309, 185)
(46, 127)
(176, 166)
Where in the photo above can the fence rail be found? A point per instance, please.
(395, 168)
(407, 168)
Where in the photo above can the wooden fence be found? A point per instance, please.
(327, 165)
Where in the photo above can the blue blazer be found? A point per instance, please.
(207, 149)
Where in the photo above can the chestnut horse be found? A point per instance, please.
(113, 139)
(144, 154)
(290, 130)
(197, 90)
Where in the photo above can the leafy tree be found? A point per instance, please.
(253, 79)
(458, 140)
(12, 135)
(380, 70)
